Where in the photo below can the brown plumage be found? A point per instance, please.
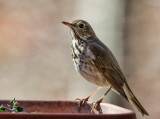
(96, 63)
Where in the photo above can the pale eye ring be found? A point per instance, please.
(81, 25)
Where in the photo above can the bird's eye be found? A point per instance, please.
(81, 26)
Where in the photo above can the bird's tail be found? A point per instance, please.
(134, 100)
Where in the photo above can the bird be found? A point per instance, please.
(96, 63)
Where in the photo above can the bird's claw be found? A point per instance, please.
(95, 105)
(81, 103)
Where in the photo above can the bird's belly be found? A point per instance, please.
(89, 72)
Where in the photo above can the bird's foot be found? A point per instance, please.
(81, 103)
(95, 105)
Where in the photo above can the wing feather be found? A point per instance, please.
(108, 66)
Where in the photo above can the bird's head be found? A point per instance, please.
(81, 29)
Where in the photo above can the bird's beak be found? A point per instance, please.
(68, 24)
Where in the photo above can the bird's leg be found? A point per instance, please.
(96, 104)
(82, 101)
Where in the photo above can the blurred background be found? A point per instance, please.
(35, 53)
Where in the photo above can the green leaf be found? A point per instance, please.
(20, 109)
(2, 108)
(13, 107)
(12, 101)
(35, 112)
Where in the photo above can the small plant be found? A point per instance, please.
(13, 107)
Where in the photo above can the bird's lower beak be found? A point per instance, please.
(68, 24)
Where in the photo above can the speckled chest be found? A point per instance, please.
(81, 54)
(83, 61)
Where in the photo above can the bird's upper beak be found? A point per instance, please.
(68, 24)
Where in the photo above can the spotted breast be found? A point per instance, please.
(83, 61)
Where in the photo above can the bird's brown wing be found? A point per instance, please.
(108, 66)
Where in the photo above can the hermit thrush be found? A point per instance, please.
(96, 63)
